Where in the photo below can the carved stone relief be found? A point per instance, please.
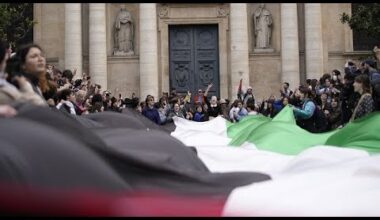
(181, 73)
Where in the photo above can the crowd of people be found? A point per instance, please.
(319, 105)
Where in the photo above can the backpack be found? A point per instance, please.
(319, 120)
(317, 123)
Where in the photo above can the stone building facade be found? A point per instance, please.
(188, 46)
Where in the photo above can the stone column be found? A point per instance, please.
(239, 47)
(73, 38)
(290, 63)
(313, 41)
(148, 51)
(97, 44)
(348, 41)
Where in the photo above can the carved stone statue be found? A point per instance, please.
(124, 33)
(263, 27)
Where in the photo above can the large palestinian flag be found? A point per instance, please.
(330, 174)
(111, 164)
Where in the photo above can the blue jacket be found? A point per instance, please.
(307, 110)
(198, 117)
(152, 114)
(277, 105)
(243, 112)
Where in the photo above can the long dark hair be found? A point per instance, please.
(236, 102)
(148, 97)
(21, 56)
(364, 80)
(24, 50)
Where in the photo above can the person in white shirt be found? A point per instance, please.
(67, 100)
(237, 111)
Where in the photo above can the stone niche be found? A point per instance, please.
(274, 9)
(112, 11)
(123, 71)
(265, 66)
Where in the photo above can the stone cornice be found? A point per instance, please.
(353, 53)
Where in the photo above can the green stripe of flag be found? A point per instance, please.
(282, 135)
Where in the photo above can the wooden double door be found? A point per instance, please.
(194, 58)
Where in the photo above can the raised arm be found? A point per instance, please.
(208, 89)
(305, 113)
(187, 98)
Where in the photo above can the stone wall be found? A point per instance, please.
(123, 76)
(337, 38)
(265, 75)
(264, 68)
(49, 32)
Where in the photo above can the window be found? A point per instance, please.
(361, 40)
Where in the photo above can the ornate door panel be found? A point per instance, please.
(206, 58)
(194, 58)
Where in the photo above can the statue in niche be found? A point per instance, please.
(123, 33)
(263, 26)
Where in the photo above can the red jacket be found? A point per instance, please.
(195, 99)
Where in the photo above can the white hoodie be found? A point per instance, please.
(69, 104)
